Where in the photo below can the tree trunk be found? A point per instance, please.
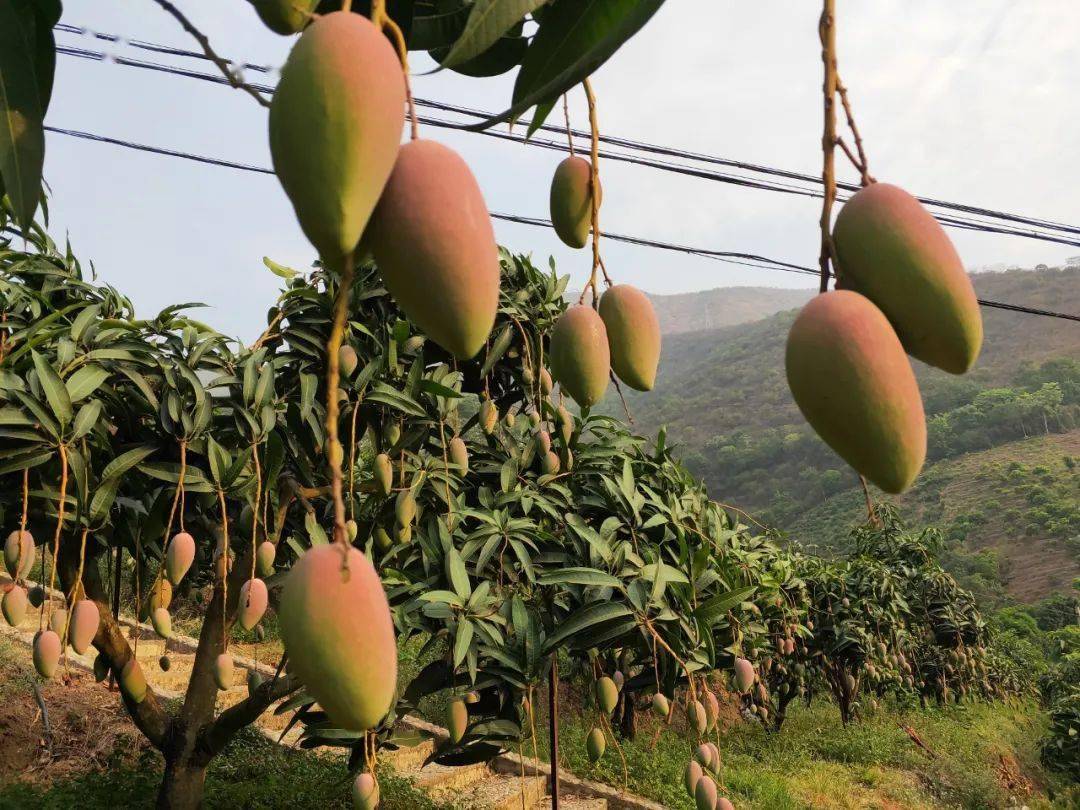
(182, 785)
(628, 721)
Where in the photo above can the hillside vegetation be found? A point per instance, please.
(723, 397)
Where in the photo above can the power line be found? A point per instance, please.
(965, 223)
(729, 257)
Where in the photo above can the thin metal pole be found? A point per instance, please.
(553, 729)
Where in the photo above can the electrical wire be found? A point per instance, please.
(728, 257)
(961, 222)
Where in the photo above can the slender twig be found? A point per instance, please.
(569, 131)
(622, 399)
(827, 33)
(864, 163)
(204, 43)
(333, 444)
(850, 155)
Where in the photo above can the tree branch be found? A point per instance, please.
(204, 43)
(214, 737)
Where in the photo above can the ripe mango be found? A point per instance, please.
(489, 415)
(284, 17)
(14, 605)
(435, 247)
(660, 705)
(47, 651)
(692, 776)
(337, 628)
(571, 201)
(85, 618)
(712, 709)
(595, 745)
(335, 126)
(133, 681)
(607, 694)
(347, 360)
(744, 674)
(384, 473)
(19, 553)
(579, 355)
(705, 793)
(365, 792)
(549, 463)
(162, 622)
(633, 332)
(457, 720)
(179, 556)
(893, 251)
(223, 671)
(854, 384)
(459, 455)
(252, 603)
(264, 558)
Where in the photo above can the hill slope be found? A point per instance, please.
(723, 397)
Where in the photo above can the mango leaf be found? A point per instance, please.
(488, 21)
(55, 391)
(590, 615)
(575, 38)
(126, 461)
(497, 350)
(86, 419)
(22, 133)
(385, 395)
(456, 574)
(714, 607)
(579, 576)
(279, 270)
(462, 640)
(85, 381)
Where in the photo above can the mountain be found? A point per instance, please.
(723, 306)
(722, 395)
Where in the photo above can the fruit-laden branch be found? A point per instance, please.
(204, 43)
(148, 714)
(218, 734)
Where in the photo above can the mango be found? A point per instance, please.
(36, 596)
(14, 605)
(542, 439)
(459, 455)
(382, 539)
(384, 473)
(661, 707)
(435, 247)
(546, 383)
(58, 622)
(133, 681)
(595, 745)
(723, 803)
(335, 125)
(284, 17)
(252, 603)
(744, 674)
(571, 201)
(705, 793)
(337, 628)
(223, 671)
(712, 709)
(579, 355)
(85, 618)
(607, 694)
(695, 716)
(365, 792)
(633, 332)
(391, 434)
(457, 720)
(692, 776)
(852, 381)
(405, 508)
(47, 651)
(347, 360)
(549, 463)
(893, 251)
(162, 622)
(19, 553)
(101, 667)
(264, 558)
(179, 556)
(165, 663)
(489, 415)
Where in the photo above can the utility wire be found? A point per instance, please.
(729, 257)
(953, 221)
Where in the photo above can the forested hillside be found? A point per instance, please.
(723, 397)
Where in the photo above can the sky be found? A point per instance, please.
(970, 101)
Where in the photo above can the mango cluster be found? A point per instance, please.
(901, 290)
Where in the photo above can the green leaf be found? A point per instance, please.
(316, 533)
(488, 20)
(714, 607)
(574, 39)
(86, 381)
(456, 574)
(126, 461)
(590, 615)
(462, 640)
(432, 387)
(55, 391)
(86, 419)
(22, 133)
(279, 270)
(497, 350)
(385, 395)
(579, 576)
